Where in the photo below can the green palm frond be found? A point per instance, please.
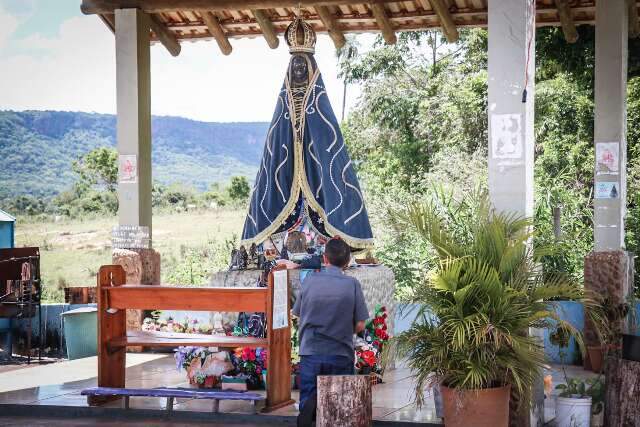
(480, 301)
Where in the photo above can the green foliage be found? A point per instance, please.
(98, 168)
(239, 189)
(196, 264)
(580, 388)
(480, 299)
(422, 119)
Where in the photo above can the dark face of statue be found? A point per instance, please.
(299, 69)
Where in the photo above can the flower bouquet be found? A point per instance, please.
(187, 326)
(203, 366)
(251, 362)
(371, 356)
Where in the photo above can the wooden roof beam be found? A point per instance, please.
(109, 20)
(217, 32)
(164, 35)
(634, 25)
(384, 23)
(332, 26)
(446, 20)
(90, 7)
(566, 21)
(268, 31)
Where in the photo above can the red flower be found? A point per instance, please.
(376, 343)
(379, 333)
(252, 355)
(384, 326)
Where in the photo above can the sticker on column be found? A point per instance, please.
(607, 190)
(607, 158)
(128, 169)
(506, 136)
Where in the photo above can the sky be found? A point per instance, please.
(52, 57)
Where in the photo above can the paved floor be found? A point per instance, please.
(60, 384)
(84, 422)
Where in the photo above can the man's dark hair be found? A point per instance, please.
(338, 253)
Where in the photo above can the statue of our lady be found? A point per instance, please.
(306, 175)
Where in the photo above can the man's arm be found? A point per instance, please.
(359, 327)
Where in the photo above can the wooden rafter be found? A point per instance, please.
(269, 33)
(332, 26)
(449, 28)
(384, 23)
(166, 37)
(109, 20)
(566, 20)
(634, 24)
(90, 7)
(217, 32)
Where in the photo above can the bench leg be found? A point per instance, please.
(216, 406)
(169, 405)
(126, 402)
(255, 407)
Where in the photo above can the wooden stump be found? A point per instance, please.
(344, 401)
(622, 405)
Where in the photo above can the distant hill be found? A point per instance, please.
(38, 147)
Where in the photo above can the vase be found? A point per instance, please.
(573, 411)
(596, 357)
(479, 408)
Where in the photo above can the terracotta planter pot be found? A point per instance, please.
(478, 408)
(596, 357)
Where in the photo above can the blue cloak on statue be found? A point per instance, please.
(306, 172)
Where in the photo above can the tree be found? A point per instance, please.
(345, 56)
(98, 168)
(239, 189)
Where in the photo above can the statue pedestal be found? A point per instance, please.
(378, 285)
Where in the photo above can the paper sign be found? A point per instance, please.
(607, 158)
(506, 136)
(280, 302)
(607, 190)
(130, 237)
(128, 169)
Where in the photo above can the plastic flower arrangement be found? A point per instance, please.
(251, 362)
(188, 326)
(369, 356)
(204, 367)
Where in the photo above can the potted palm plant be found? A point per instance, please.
(478, 304)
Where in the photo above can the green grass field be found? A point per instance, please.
(73, 250)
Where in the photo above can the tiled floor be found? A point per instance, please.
(60, 384)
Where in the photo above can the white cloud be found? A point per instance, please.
(8, 24)
(76, 71)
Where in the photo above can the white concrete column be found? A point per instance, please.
(511, 28)
(133, 81)
(610, 124)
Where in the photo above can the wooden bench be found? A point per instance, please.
(115, 297)
(174, 393)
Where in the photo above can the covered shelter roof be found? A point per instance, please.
(174, 21)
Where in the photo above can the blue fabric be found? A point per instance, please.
(312, 366)
(329, 190)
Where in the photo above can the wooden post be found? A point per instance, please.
(111, 362)
(279, 358)
(344, 400)
(621, 403)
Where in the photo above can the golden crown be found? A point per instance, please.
(300, 36)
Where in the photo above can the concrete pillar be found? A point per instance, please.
(511, 27)
(133, 85)
(511, 30)
(610, 124)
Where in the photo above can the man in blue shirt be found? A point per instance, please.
(331, 309)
